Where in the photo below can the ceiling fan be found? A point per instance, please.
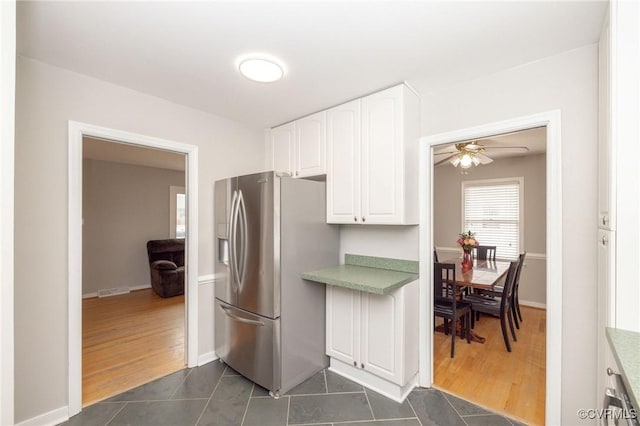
(467, 154)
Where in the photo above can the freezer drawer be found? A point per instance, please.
(249, 343)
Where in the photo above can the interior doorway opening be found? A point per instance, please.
(77, 132)
(501, 198)
(553, 248)
(131, 333)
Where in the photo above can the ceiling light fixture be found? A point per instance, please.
(261, 68)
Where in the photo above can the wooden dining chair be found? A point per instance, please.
(498, 307)
(486, 253)
(515, 302)
(448, 305)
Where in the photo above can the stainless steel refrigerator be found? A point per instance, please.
(270, 323)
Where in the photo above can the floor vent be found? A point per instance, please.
(113, 291)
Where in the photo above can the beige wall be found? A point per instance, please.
(447, 219)
(567, 82)
(46, 98)
(123, 207)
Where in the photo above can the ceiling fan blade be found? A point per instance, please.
(444, 160)
(513, 148)
(484, 160)
(445, 152)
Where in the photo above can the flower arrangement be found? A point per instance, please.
(467, 240)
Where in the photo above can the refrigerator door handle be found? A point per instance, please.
(228, 312)
(233, 215)
(242, 213)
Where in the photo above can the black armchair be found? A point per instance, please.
(166, 264)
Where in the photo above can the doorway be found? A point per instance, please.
(551, 122)
(130, 334)
(78, 131)
(502, 201)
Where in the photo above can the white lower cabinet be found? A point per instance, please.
(372, 337)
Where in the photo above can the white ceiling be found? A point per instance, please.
(334, 51)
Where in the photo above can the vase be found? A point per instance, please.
(467, 260)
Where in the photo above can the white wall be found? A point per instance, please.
(46, 98)
(7, 99)
(124, 206)
(567, 82)
(447, 219)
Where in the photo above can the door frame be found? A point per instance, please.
(551, 120)
(77, 131)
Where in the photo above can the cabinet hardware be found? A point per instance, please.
(363, 219)
(355, 364)
(605, 220)
(362, 365)
(355, 219)
(604, 241)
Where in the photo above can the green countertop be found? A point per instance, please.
(377, 275)
(626, 348)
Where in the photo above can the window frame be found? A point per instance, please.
(519, 180)
(174, 191)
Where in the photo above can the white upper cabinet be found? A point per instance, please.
(310, 145)
(299, 147)
(382, 151)
(282, 145)
(606, 169)
(343, 163)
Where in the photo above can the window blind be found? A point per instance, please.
(492, 211)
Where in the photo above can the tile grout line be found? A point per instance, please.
(366, 396)
(116, 413)
(253, 386)
(326, 385)
(181, 383)
(288, 410)
(210, 396)
(414, 411)
(454, 408)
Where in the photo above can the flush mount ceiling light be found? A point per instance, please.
(261, 69)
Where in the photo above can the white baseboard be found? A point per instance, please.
(383, 387)
(140, 287)
(207, 358)
(206, 279)
(51, 418)
(134, 288)
(533, 304)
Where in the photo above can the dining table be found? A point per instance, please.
(484, 275)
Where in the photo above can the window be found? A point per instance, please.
(177, 212)
(493, 210)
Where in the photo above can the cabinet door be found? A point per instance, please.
(343, 324)
(605, 170)
(283, 148)
(310, 145)
(343, 163)
(606, 299)
(382, 330)
(382, 157)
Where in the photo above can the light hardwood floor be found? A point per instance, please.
(129, 340)
(486, 374)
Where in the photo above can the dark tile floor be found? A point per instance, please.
(214, 394)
